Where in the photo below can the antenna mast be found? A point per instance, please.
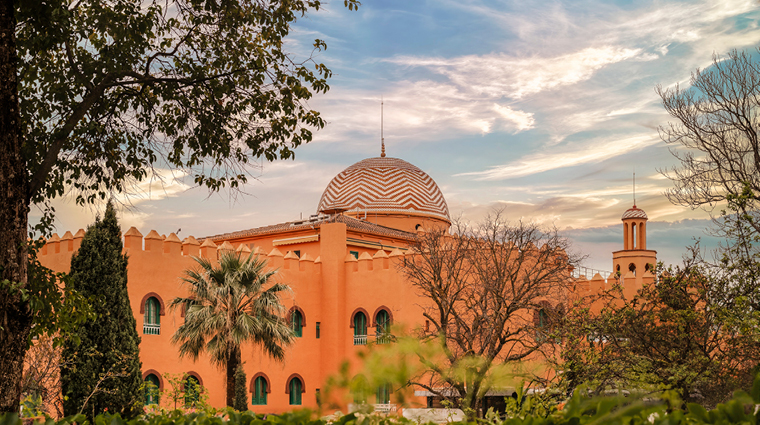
(634, 189)
(382, 139)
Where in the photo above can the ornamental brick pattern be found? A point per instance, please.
(384, 185)
(634, 213)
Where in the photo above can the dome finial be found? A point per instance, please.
(634, 187)
(382, 139)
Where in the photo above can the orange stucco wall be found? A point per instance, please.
(329, 284)
(328, 291)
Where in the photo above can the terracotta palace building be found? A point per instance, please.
(341, 265)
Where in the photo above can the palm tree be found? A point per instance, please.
(229, 305)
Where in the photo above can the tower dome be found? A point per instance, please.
(385, 187)
(634, 212)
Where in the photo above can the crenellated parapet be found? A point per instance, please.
(135, 242)
(367, 263)
(630, 284)
(67, 245)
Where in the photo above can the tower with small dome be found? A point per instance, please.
(634, 260)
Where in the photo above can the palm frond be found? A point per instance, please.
(236, 302)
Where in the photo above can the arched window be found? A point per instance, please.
(192, 390)
(359, 389)
(635, 242)
(152, 318)
(632, 268)
(543, 319)
(259, 391)
(360, 329)
(383, 327)
(152, 385)
(296, 323)
(384, 394)
(543, 316)
(295, 388)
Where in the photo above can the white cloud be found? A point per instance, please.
(416, 110)
(500, 75)
(161, 183)
(522, 120)
(572, 155)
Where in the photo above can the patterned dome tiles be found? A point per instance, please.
(635, 212)
(385, 185)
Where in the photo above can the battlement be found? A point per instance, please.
(629, 282)
(381, 260)
(153, 242)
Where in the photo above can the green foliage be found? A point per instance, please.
(109, 89)
(539, 404)
(675, 333)
(31, 406)
(739, 266)
(195, 395)
(58, 309)
(105, 368)
(406, 365)
(176, 394)
(662, 409)
(152, 392)
(241, 394)
(229, 305)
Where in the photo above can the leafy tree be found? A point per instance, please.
(96, 94)
(488, 287)
(229, 305)
(674, 333)
(105, 373)
(241, 394)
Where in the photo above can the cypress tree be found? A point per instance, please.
(241, 395)
(104, 370)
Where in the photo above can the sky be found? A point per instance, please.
(542, 109)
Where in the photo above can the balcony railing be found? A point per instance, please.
(360, 339)
(383, 338)
(151, 329)
(385, 408)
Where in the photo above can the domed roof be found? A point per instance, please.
(635, 212)
(384, 185)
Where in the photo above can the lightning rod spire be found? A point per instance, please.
(382, 139)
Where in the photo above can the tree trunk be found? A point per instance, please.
(15, 316)
(232, 365)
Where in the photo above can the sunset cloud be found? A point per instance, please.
(569, 156)
(501, 75)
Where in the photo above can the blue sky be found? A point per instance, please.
(542, 108)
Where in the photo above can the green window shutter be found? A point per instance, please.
(151, 389)
(192, 390)
(383, 394)
(152, 317)
(259, 392)
(295, 392)
(382, 320)
(297, 323)
(360, 329)
(360, 324)
(383, 327)
(318, 331)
